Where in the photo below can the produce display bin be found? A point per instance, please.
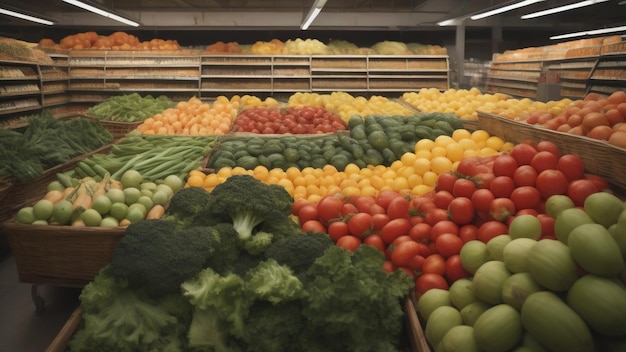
(599, 157)
(414, 331)
(118, 129)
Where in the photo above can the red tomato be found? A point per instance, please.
(307, 212)
(404, 252)
(579, 190)
(338, 229)
(550, 182)
(395, 228)
(454, 269)
(501, 208)
(448, 244)
(468, 232)
(436, 215)
(571, 165)
(544, 160)
(548, 147)
(445, 182)
(442, 199)
(384, 197)
(297, 205)
(474, 165)
(598, 181)
(388, 266)
(526, 211)
(482, 201)
(547, 224)
(349, 242)
(423, 204)
(313, 225)
(329, 208)
(461, 210)
(434, 264)
(420, 232)
(416, 263)
(364, 203)
(504, 165)
(441, 227)
(348, 209)
(523, 153)
(526, 197)
(425, 282)
(502, 186)
(525, 175)
(483, 180)
(463, 188)
(377, 209)
(360, 224)
(398, 208)
(379, 221)
(376, 241)
(491, 229)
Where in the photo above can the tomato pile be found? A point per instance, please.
(423, 235)
(294, 120)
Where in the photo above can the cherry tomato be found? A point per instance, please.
(468, 232)
(425, 282)
(445, 182)
(376, 241)
(571, 165)
(504, 165)
(579, 190)
(491, 229)
(398, 208)
(454, 269)
(523, 153)
(461, 210)
(420, 232)
(329, 208)
(360, 224)
(502, 186)
(379, 221)
(442, 199)
(551, 182)
(526, 197)
(395, 228)
(525, 175)
(404, 252)
(313, 225)
(544, 160)
(349, 242)
(307, 212)
(435, 264)
(441, 227)
(501, 208)
(463, 188)
(338, 229)
(448, 244)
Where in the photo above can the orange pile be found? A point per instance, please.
(115, 41)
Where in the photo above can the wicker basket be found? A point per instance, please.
(118, 129)
(23, 194)
(599, 157)
(60, 255)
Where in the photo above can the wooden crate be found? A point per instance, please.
(599, 157)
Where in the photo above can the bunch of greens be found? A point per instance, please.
(230, 271)
(47, 142)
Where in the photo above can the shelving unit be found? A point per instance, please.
(609, 74)
(54, 82)
(400, 74)
(516, 78)
(20, 90)
(574, 73)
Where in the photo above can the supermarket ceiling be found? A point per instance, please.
(336, 14)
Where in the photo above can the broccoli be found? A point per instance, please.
(245, 262)
(185, 204)
(258, 243)
(248, 202)
(120, 318)
(274, 327)
(280, 226)
(298, 252)
(229, 251)
(273, 282)
(153, 255)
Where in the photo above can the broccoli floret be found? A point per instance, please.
(185, 204)
(153, 255)
(258, 243)
(298, 252)
(274, 327)
(229, 251)
(280, 226)
(273, 282)
(248, 202)
(246, 262)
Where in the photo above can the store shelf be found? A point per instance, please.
(609, 74)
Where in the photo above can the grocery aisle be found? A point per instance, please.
(21, 328)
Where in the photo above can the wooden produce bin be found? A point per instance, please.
(599, 157)
(118, 129)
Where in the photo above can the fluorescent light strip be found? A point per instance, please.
(504, 9)
(103, 13)
(25, 17)
(591, 32)
(562, 8)
(315, 10)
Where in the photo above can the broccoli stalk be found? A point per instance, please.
(245, 221)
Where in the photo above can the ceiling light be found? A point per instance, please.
(562, 8)
(313, 12)
(101, 12)
(591, 32)
(25, 17)
(504, 9)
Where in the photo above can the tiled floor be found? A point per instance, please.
(22, 329)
